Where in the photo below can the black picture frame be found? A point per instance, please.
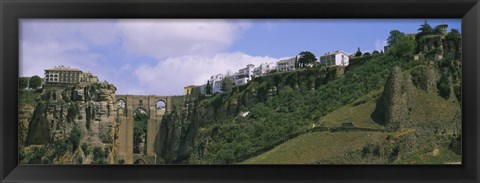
(13, 10)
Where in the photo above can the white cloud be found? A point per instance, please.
(174, 37)
(95, 32)
(47, 43)
(35, 57)
(172, 74)
(186, 51)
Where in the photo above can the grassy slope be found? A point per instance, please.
(356, 113)
(314, 147)
(436, 156)
(431, 111)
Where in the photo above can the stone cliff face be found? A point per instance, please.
(177, 133)
(405, 108)
(71, 125)
(396, 102)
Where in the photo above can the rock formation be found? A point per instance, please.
(396, 101)
(176, 135)
(75, 124)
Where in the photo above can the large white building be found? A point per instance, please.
(244, 75)
(263, 69)
(286, 65)
(336, 58)
(215, 82)
(67, 76)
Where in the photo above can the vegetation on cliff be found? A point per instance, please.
(233, 126)
(62, 125)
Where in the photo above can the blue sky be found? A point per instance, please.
(162, 56)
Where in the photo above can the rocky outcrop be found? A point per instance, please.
(70, 122)
(425, 78)
(25, 114)
(176, 136)
(39, 129)
(396, 102)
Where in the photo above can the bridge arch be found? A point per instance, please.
(141, 110)
(139, 162)
(161, 104)
(121, 103)
(154, 107)
(121, 106)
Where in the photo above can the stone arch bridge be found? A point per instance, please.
(127, 106)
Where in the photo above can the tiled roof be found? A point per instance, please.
(61, 68)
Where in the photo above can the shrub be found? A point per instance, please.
(85, 149)
(456, 144)
(444, 84)
(79, 160)
(395, 152)
(75, 138)
(99, 156)
(457, 88)
(72, 112)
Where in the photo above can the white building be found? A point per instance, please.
(243, 76)
(216, 82)
(286, 65)
(67, 76)
(336, 58)
(263, 69)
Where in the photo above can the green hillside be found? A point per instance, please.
(295, 108)
(431, 138)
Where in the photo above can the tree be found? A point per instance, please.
(306, 58)
(425, 30)
(208, 88)
(366, 54)
(35, 82)
(395, 35)
(375, 52)
(296, 62)
(403, 48)
(453, 35)
(358, 53)
(140, 118)
(227, 83)
(23, 82)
